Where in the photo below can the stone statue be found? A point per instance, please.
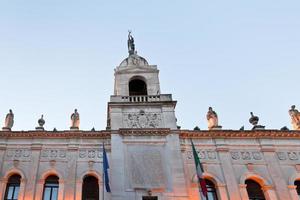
(295, 117)
(9, 120)
(130, 44)
(41, 123)
(75, 121)
(212, 119)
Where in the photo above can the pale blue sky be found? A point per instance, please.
(236, 56)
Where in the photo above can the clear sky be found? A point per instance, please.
(236, 56)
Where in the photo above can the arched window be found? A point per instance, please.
(51, 188)
(137, 87)
(254, 190)
(90, 188)
(297, 183)
(13, 187)
(211, 190)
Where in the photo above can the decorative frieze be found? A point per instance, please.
(246, 155)
(203, 154)
(289, 155)
(90, 154)
(18, 154)
(53, 154)
(142, 119)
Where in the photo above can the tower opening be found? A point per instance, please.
(137, 87)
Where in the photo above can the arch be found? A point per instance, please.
(51, 187)
(210, 177)
(250, 175)
(137, 86)
(90, 188)
(42, 179)
(7, 175)
(91, 173)
(14, 171)
(80, 179)
(51, 172)
(254, 190)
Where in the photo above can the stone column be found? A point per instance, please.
(269, 192)
(117, 167)
(22, 189)
(70, 180)
(228, 173)
(221, 188)
(276, 173)
(194, 193)
(176, 165)
(39, 189)
(101, 191)
(61, 190)
(243, 191)
(3, 183)
(32, 175)
(78, 189)
(293, 192)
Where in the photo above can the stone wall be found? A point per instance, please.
(159, 161)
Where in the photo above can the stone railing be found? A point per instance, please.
(145, 98)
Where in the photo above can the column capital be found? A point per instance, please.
(292, 186)
(267, 187)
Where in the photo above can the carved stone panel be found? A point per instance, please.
(205, 154)
(90, 154)
(246, 155)
(53, 154)
(18, 154)
(288, 156)
(145, 167)
(142, 119)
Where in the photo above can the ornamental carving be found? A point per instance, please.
(142, 120)
(246, 155)
(53, 153)
(291, 155)
(90, 153)
(203, 154)
(18, 154)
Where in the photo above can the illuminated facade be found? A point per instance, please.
(149, 157)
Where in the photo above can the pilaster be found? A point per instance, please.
(228, 172)
(293, 192)
(276, 174)
(32, 173)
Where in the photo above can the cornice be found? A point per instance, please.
(145, 132)
(187, 134)
(55, 134)
(183, 134)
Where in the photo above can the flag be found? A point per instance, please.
(105, 172)
(199, 170)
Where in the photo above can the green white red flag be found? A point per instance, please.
(199, 170)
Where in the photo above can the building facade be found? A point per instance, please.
(150, 158)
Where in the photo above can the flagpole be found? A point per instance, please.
(103, 178)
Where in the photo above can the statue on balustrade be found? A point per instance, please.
(75, 121)
(9, 121)
(212, 119)
(295, 117)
